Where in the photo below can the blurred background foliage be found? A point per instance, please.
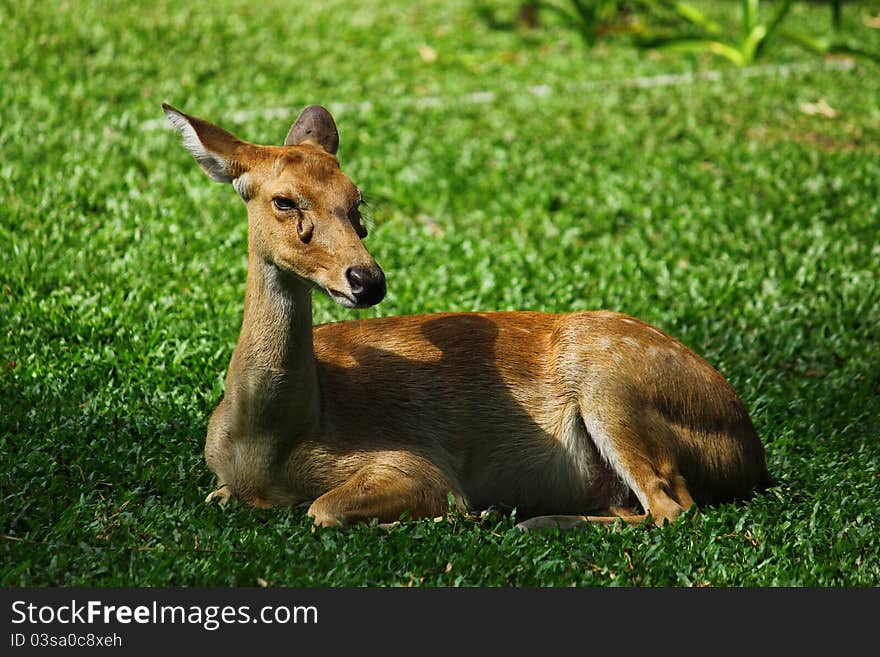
(682, 26)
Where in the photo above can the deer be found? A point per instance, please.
(568, 418)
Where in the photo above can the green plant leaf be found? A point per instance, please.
(773, 25)
(816, 44)
(752, 42)
(690, 45)
(692, 15)
(846, 48)
(750, 16)
(827, 46)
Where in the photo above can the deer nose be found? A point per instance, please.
(367, 285)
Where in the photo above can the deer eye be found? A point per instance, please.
(283, 204)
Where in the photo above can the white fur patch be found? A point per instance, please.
(214, 165)
(572, 438)
(609, 453)
(243, 186)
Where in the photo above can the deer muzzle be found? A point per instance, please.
(367, 285)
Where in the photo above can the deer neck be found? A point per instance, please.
(273, 381)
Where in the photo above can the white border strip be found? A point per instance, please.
(543, 90)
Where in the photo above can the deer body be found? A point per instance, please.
(552, 414)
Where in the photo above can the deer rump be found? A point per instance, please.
(532, 410)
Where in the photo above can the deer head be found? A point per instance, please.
(303, 215)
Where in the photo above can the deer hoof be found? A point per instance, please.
(221, 496)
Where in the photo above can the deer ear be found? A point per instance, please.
(316, 126)
(219, 153)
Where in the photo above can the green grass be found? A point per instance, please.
(717, 210)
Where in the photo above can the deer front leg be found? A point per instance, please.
(385, 490)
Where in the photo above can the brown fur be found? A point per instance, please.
(552, 414)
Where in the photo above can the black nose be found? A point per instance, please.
(367, 285)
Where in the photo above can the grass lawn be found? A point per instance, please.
(504, 169)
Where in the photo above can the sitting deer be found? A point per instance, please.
(557, 415)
